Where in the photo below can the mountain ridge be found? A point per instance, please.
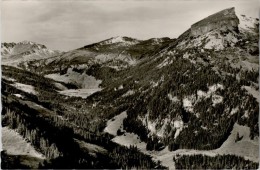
(16, 53)
(169, 98)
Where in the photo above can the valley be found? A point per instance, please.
(124, 103)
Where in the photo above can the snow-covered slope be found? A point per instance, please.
(15, 53)
(245, 147)
(86, 84)
(247, 23)
(120, 40)
(115, 124)
(81, 80)
(14, 144)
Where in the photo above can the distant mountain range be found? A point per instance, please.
(15, 53)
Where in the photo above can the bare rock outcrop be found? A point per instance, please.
(223, 20)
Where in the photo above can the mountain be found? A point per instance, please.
(123, 50)
(192, 93)
(15, 53)
(100, 60)
(134, 102)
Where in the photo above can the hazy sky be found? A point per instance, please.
(66, 25)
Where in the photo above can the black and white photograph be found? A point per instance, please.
(129, 84)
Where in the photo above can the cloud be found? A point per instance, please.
(67, 25)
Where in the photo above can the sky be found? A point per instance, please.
(66, 24)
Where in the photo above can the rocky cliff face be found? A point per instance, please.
(223, 20)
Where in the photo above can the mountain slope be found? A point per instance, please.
(195, 94)
(114, 52)
(101, 60)
(15, 53)
(190, 95)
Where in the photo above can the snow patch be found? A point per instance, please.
(211, 92)
(214, 87)
(154, 84)
(83, 93)
(120, 87)
(119, 39)
(128, 93)
(151, 126)
(216, 99)
(60, 86)
(252, 91)
(246, 114)
(158, 127)
(8, 78)
(83, 80)
(18, 95)
(186, 55)
(115, 123)
(130, 139)
(174, 99)
(14, 144)
(246, 23)
(26, 88)
(92, 149)
(165, 62)
(201, 94)
(161, 132)
(234, 110)
(178, 124)
(188, 103)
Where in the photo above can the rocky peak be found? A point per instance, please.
(33, 45)
(8, 45)
(22, 48)
(223, 20)
(119, 39)
(27, 42)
